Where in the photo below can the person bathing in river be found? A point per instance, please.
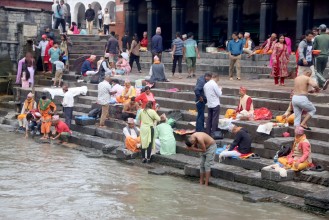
(46, 108)
(203, 143)
(63, 132)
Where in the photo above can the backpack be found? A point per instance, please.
(284, 151)
(95, 79)
(95, 113)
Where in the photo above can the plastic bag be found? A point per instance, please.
(262, 114)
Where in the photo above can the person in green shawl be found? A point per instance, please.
(148, 118)
(165, 142)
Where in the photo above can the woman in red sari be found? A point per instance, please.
(280, 57)
(145, 97)
(47, 56)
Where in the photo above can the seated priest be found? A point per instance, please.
(131, 132)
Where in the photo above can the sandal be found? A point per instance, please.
(306, 128)
(317, 168)
(254, 156)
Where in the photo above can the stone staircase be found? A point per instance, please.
(251, 68)
(306, 190)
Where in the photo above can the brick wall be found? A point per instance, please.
(27, 4)
(119, 27)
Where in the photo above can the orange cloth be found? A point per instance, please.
(230, 113)
(131, 143)
(46, 117)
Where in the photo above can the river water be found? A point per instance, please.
(43, 181)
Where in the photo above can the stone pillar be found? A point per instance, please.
(235, 13)
(205, 21)
(177, 17)
(152, 19)
(304, 17)
(267, 12)
(130, 17)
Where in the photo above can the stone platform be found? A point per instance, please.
(243, 176)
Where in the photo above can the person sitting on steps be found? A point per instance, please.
(132, 136)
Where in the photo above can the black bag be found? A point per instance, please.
(284, 151)
(217, 135)
(95, 79)
(95, 113)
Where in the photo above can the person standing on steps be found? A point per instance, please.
(200, 101)
(280, 60)
(235, 49)
(100, 18)
(134, 53)
(125, 42)
(112, 47)
(148, 117)
(300, 101)
(106, 22)
(104, 95)
(156, 44)
(90, 17)
(190, 52)
(212, 92)
(321, 42)
(202, 143)
(177, 54)
(68, 104)
(42, 45)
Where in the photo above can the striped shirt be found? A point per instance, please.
(179, 46)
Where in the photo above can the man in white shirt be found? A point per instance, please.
(68, 104)
(131, 132)
(42, 45)
(116, 89)
(212, 92)
(104, 95)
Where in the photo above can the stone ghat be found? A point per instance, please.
(300, 190)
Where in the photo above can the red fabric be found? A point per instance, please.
(62, 127)
(248, 105)
(47, 56)
(144, 42)
(143, 98)
(262, 114)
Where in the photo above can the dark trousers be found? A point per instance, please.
(200, 117)
(106, 28)
(149, 148)
(321, 64)
(35, 125)
(53, 69)
(68, 111)
(100, 22)
(60, 21)
(179, 59)
(212, 121)
(125, 116)
(135, 58)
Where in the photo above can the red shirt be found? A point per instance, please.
(144, 42)
(62, 127)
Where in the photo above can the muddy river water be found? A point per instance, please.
(43, 181)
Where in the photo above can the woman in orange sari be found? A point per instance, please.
(128, 92)
(280, 61)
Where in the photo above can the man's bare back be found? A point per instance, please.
(302, 82)
(203, 138)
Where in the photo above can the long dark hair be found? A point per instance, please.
(149, 105)
(27, 72)
(136, 38)
(284, 41)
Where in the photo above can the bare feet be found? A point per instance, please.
(43, 138)
(201, 182)
(102, 126)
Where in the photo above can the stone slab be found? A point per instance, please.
(319, 199)
(270, 174)
(258, 196)
(123, 155)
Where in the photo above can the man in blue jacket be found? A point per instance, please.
(200, 100)
(88, 68)
(235, 49)
(156, 44)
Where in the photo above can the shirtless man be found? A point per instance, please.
(203, 143)
(300, 101)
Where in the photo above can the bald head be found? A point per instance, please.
(65, 88)
(273, 36)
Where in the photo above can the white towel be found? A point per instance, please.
(265, 128)
(59, 91)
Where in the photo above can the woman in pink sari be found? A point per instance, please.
(280, 57)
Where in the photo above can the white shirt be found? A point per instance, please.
(132, 132)
(212, 93)
(59, 65)
(117, 88)
(68, 100)
(107, 20)
(100, 14)
(104, 96)
(42, 45)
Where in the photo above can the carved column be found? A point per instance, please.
(152, 19)
(205, 21)
(304, 17)
(177, 9)
(267, 13)
(130, 17)
(235, 12)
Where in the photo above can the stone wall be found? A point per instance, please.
(12, 39)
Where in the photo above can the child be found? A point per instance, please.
(54, 54)
(59, 71)
(74, 28)
(25, 77)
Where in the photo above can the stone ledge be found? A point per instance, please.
(319, 199)
(268, 173)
